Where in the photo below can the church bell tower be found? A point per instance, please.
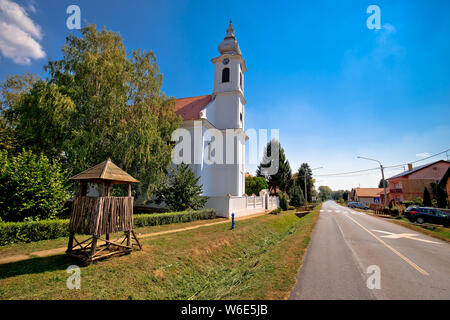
(229, 83)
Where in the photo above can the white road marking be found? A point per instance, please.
(411, 236)
(412, 264)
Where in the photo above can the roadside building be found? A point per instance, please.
(367, 196)
(410, 184)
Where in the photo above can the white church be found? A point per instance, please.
(212, 137)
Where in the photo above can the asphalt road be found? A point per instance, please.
(348, 248)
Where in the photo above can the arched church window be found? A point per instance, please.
(226, 75)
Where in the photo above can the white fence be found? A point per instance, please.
(241, 206)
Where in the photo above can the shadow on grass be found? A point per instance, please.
(301, 214)
(37, 265)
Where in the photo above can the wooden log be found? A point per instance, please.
(94, 246)
(136, 239)
(70, 244)
(128, 234)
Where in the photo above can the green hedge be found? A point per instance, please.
(156, 219)
(12, 232)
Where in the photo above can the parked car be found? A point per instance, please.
(358, 205)
(427, 214)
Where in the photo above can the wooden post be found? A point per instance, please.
(94, 246)
(129, 189)
(70, 244)
(84, 186)
(128, 234)
(100, 189)
(80, 189)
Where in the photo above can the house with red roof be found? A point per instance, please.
(212, 137)
(411, 183)
(367, 196)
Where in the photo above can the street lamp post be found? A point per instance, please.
(382, 177)
(306, 189)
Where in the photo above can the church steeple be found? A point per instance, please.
(228, 93)
(229, 44)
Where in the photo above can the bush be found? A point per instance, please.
(275, 211)
(254, 185)
(441, 197)
(283, 201)
(12, 232)
(156, 219)
(426, 197)
(341, 201)
(394, 211)
(181, 190)
(296, 195)
(31, 187)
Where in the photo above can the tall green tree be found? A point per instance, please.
(325, 193)
(282, 178)
(426, 198)
(305, 171)
(254, 185)
(345, 195)
(338, 194)
(11, 93)
(100, 102)
(380, 184)
(296, 196)
(441, 197)
(181, 190)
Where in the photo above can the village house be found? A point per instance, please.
(410, 184)
(367, 196)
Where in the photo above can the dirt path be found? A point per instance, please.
(60, 250)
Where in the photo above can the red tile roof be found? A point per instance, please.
(189, 108)
(368, 192)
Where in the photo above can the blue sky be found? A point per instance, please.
(334, 88)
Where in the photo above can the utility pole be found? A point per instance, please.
(382, 176)
(306, 189)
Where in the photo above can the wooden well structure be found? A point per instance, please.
(101, 216)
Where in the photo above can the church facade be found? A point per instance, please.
(212, 137)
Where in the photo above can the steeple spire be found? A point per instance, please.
(229, 44)
(230, 31)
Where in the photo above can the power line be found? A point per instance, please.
(433, 155)
(389, 167)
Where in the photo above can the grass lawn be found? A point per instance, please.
(27, 248)
(257, 260)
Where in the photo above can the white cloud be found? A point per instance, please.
(19, 34)
(423, 154)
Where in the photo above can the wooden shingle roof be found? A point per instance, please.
(107, 171)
